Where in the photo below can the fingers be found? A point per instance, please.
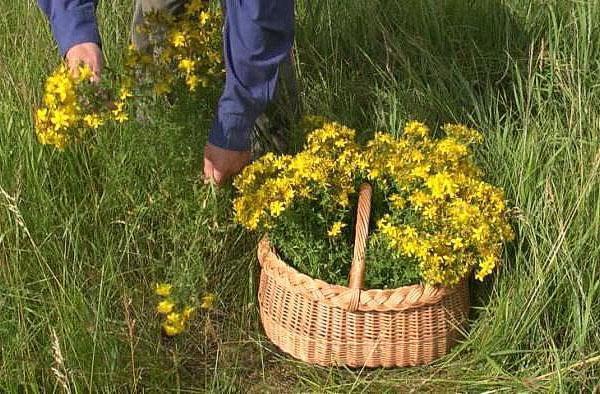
(208, 171)
(92, 63)
(87, 53)
(96, 68)
(214, 177)
(211, 174)
(218, 177)
(220, 164)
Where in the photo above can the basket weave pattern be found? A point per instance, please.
(329, 324)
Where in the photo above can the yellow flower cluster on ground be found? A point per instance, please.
(438, 212)
(184, 48)
(176, 316)
(72, 105)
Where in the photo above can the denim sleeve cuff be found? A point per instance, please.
(231, 132)
(75, 26)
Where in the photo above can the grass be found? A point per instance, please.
(84, 234)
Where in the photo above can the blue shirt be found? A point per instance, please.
(258, 37)
(73, 22)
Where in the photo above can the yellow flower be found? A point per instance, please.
(421, 171)
(417, 129)
(60, 85)
(343, 199)
(163, 289)
(410, 247)
(124, 93)
(165, 307)
(49, 100)
(336, 229)
(67, 110)
(461, 211)
(416, 156)
(42, 114)
(42, 137)
(442, 185)
(463, 133)
(84, 73)
(430, 212)
(60, 119)
(172, 329)
(50, 137)
(374, 173)
(419, 199)
(174, 324)
(276, 208)
(178, 39)
(188, 311)
(480, 232)
(451, 148)
(118, 113)
(174, 318)
(208, 301)
(191, 81)
(486, 266)
(204, 18)
(93, 120)
(397, 201)
(121, 117)
(186, 65)
(457, 243)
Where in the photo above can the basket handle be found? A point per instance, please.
(357, 270)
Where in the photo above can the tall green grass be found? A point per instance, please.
(84, 234)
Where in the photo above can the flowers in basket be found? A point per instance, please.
(435, 219)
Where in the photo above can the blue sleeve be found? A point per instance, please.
(258, 37)
(72, 21)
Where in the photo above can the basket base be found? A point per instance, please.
(331, 336)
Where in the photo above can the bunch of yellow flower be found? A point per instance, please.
(185, 47)
(441, 213)
(176, 316)
(72, 105)
(437, 212)
(273, 183)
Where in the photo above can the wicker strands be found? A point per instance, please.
(329, 324)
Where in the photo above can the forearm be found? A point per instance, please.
(72, 21)
(258, 38)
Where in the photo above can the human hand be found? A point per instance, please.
(222, 164)
(88, 53)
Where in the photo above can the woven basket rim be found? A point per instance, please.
(380, 300)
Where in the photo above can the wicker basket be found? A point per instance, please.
(330, 325)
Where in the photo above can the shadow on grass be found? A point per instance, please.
(375, 64)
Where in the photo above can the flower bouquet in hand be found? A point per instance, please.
(183, 53)
(73, 106)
